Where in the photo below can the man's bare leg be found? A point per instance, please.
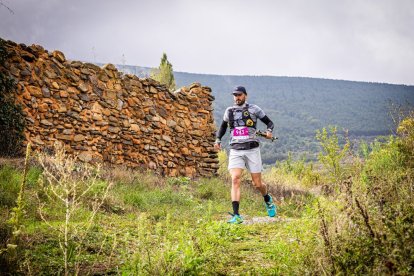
(258, 184)
(235, 183)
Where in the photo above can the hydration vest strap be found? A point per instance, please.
(231, 115)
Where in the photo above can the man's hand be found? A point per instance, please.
(217, 146)
(269, 135)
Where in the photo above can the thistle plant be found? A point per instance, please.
(68, 187)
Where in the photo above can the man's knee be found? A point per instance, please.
(235, 178)
(257, 181)
(258, 184)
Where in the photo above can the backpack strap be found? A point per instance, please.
(231, 118)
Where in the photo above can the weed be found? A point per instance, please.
(178, 181)
(370, 228)
(332, 153)
(67, 183)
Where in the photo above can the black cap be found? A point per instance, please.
(239, 89)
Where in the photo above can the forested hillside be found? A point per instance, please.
(299, 106)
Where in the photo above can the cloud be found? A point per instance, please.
(356, 40)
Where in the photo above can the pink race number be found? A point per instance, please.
(241, 133)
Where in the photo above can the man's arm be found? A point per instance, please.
(220, 134)
(269, 125)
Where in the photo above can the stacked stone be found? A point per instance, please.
(103, 115)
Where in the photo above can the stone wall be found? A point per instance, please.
(104, 115)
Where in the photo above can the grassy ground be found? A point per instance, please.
(149, 225)
(352, 217)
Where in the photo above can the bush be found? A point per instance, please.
(12, 121)
(332, 154)
(9, 186)
(369, 228)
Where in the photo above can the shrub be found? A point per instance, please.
(12, 121)
(369, 230)
(69, 186)
(332, 154)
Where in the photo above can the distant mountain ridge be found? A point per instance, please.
(300, 105)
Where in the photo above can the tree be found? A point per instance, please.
(164, 73)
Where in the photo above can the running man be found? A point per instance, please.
(244, 148)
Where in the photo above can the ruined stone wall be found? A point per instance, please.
(104, 115)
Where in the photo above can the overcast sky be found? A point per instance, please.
(365, 40)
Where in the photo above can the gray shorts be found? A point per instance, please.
(246, 159)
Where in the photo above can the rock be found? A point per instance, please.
(85, 71)
(97, 117)
(114, 129)
(152, 165)
(27, 56)
(63, 137)
(113, 119)
(135, 127)
(50, 74)
(14, 71)
(179, 129)
(96, 108)
(198, 133)
(55, 85)
(73, 77)
(59, 56)
(44, 107)
(67, 131)
(85, 156)
(63, 94)
(153, 90)
(126, 123)
(45, 92)
(109, 66)
(166, 138)
(171, 123)
(25, 73)
(46, 123)
(35, 91)
(84, 97)
(78, 138)
(62, 109)
(83, 87)
(120, 104)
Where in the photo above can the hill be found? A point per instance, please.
(299, 106)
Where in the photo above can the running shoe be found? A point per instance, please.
(271, 207)
(235, 219)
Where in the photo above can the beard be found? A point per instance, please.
(240, 102)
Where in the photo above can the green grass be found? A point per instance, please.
(149, 225)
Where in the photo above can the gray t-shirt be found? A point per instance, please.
(242, 133)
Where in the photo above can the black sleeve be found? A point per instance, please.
(222, 130)
(268, 122)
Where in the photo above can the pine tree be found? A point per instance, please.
(164, 73)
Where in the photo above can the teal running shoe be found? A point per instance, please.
(271, 208)
(235, 219)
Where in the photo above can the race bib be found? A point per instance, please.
(241, 133)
